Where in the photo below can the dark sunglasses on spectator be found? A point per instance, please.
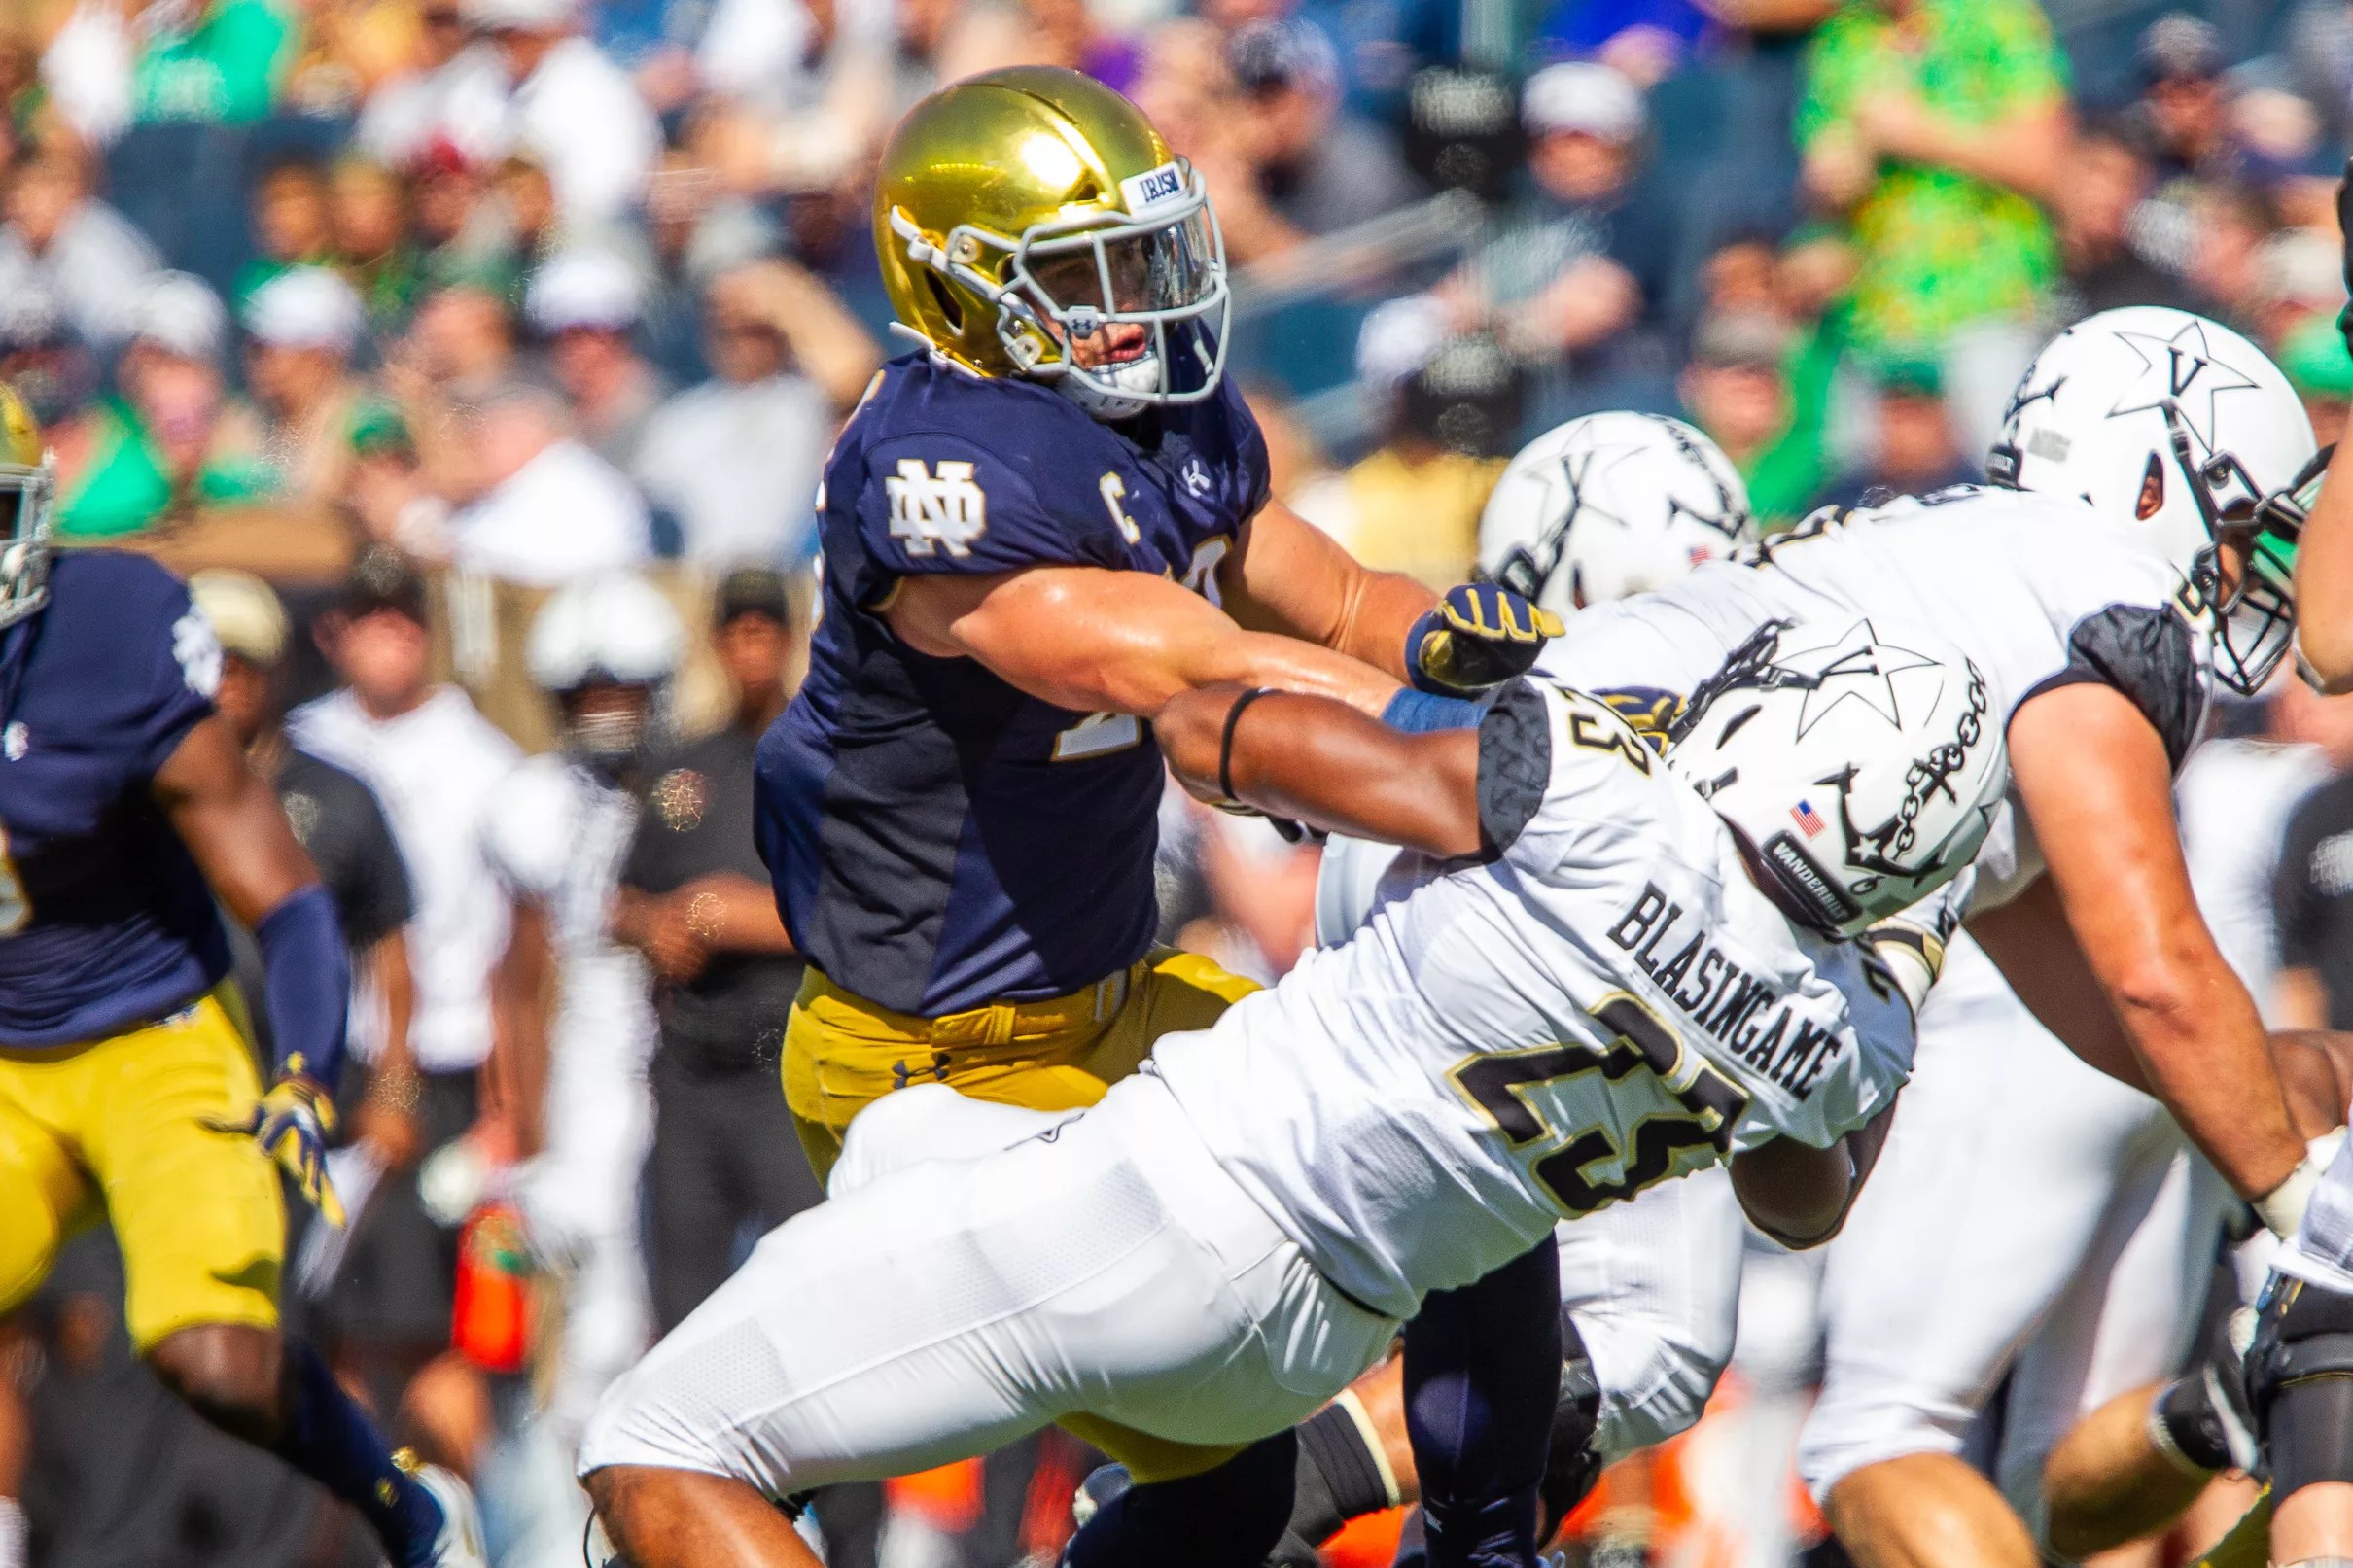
(441, 18)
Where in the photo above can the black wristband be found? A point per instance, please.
(1225, 744)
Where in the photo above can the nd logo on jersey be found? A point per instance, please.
(930, 509)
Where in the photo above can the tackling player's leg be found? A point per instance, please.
(117, 1130)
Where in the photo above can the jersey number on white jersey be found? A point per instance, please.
(1661, 1144)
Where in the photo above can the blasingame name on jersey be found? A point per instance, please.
(1725, 1001)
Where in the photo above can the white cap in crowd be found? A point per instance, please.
(178, 313)
(244, 612)
(1398, 337)
(591, 288)
(518, 15)
(306, 307)
(1579, 96)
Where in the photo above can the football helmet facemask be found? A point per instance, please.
(1856, 761)
(28, 487)
(1608, 505)
(1021, 212)
(2183, 435)
(616, 630)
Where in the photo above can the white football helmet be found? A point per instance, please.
(2181, 434)
(1608, 505)
(616, 630)
(1855, 759)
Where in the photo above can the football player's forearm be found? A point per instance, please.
(1295, 578)
(1325, 764)
(1795, 1193)
(2204, 1054)
(2324, 576)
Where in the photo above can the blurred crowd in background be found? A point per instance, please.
(416, 311)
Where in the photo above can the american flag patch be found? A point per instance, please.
(1806, 818)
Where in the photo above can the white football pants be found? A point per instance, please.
(2028, 1212)
(943, 1307)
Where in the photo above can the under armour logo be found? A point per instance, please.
(1196, 476)
(902, 1074)
(930, 509)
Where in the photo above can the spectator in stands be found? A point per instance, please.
(1291, 163)
(737, 459)
(695, 901)
(291, 224)
(369, 210)
(461, 341)
(51, 366)
(538, 508)
(1914, 448)
(1576, 277)
(432, 762)
(2184, 111)
(1933, 128)
(1736, 388)
(1448, 413)
(2299, 276)
(801, 95)
(64, 242)
(220, 62)
(2231, 223)
(556, 99)
(343, 825)
(172, 442)
(300, 329)
(2107, 182)
(2321, 371)
(585, 305)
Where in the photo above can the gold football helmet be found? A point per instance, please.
(1021, 211)
(27, 489)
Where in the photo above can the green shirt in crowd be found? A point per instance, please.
(1939, 249)
(126, 489)
(225, 70)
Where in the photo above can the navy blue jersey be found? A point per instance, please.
(938, 840)
(105, 920)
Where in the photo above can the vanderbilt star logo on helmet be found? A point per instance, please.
(1862, 669)
(2180, 370)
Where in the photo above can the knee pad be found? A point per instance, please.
(2299, 1381)
(1573, 1465)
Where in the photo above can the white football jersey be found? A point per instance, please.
(1607, 1003)
(555, 835)
(2039, 590)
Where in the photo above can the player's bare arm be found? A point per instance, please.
(1317, 762)
(1120, 640)
(1286, 575)
(230, 820)
(2095, 779)
(522, 990)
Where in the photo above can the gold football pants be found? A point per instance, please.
(842, 1053)
(114, 1131)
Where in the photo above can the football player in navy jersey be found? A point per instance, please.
(1037, 529)
(129, 1090)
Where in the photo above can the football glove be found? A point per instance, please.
(1479, 635)
(290, 1123)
